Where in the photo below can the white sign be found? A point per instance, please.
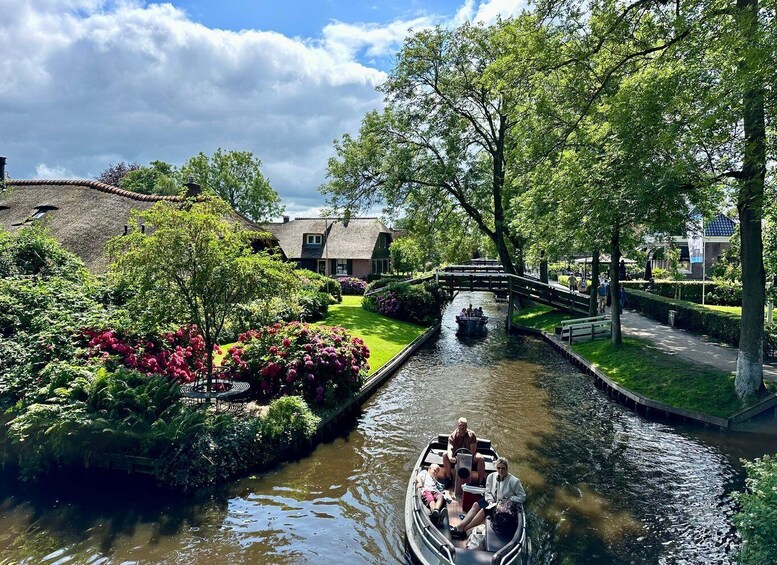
(696, 241)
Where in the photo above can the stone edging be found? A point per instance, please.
(378, 378)
(623, 395)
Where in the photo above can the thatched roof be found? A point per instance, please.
(82, 214)
(357, 241)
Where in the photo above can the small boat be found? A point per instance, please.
(432, 543)
(472, 325)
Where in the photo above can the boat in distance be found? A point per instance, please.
(431, 543)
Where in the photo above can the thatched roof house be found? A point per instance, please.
(329, 246)
(83, 214)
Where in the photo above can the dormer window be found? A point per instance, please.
(41, 211)
(313, 239)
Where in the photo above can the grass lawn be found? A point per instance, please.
(644, 369)
(542, 317)
(730, 309)
(384, 336)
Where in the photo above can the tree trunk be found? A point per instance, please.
(593, 303)
(749, 377)
(615, 255)
(543, 268)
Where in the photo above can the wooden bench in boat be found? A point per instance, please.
(584, 329)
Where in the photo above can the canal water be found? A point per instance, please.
(604, 485)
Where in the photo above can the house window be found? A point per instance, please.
(322, 267)
(381, 266)
(342, 267)
(313, 239)
(41, 211)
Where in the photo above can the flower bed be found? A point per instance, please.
(177, 355)
(352, 286)
(322, 364)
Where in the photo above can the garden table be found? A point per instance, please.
(220, 390)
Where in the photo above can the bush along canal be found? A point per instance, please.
(604, 485)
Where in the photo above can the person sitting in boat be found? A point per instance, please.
(499, 485)
(469, 311)
(431, 490)
(463, 313)
(479, 311)
(463, 438)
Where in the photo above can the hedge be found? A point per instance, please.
(720, 325)
(720, 294)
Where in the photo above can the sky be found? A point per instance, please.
(90, 83)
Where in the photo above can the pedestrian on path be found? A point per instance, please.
(601, 295)
(622, 297)
(572, 283)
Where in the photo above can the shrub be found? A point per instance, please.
(321, 364)
(419, 304)
(757, 518)
(177, 354)
(721, 293)
(352, 286)
(31, 251)
(320, 283)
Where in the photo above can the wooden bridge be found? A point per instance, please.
(492, 278)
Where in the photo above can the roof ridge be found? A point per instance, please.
(97, 185)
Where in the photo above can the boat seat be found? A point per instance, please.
(473, 557)
(495, 541)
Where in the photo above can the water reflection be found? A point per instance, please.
(604, 485)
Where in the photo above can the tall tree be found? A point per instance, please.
(114, 173)
(445, 130)
(158, 178)
(236, 177)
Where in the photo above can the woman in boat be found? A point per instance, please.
(499, 485)
(431, 490)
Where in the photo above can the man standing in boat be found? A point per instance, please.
(463, 438)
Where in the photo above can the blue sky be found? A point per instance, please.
(89, 83)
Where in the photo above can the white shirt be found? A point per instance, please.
(510, 488)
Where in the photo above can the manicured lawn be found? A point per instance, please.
(541, 317)
(384, 336)
(644, 369)
(730, 309)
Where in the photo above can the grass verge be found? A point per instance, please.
(641, 367)
(384, 336)
(541, 317)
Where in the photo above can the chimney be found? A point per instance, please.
(192, 188)
(2, 173)
(285, 219)
(126, 228)
(142, 228)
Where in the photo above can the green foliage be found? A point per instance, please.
(237, 178)
(406, 255)
(158, 178)
(30, 251)
(416, 303)
(718, 292)
(289, 422)
(756, 520)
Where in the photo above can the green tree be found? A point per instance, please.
(158, 178)
(444, 132)
(193, 264)
(406, 255)
(236, 177)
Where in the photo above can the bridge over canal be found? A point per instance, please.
(492, 278)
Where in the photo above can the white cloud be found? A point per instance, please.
(88, 83)
(488, 12)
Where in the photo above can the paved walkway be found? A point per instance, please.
(690, 346)
(695, 348)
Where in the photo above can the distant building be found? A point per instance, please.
(84, 214)
(330, 247)
(717, 239)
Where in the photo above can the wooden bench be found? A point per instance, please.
(585, 329)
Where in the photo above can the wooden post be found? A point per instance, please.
(509, 304)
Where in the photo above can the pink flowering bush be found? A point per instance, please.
(177, 354)
(352, 286)
(388, 304)
(321, 364)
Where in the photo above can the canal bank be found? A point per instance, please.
(759, 418)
